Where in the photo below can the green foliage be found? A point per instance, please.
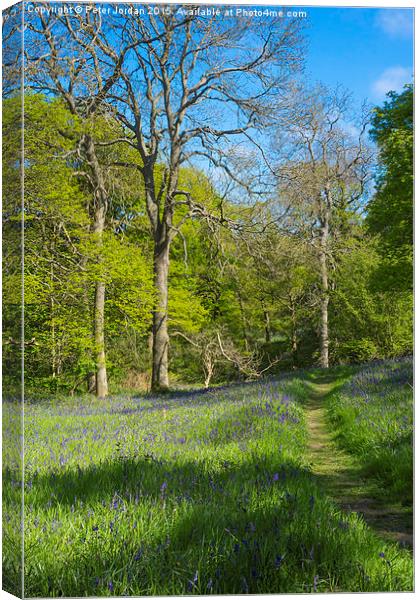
(63, 259)
(357, 351)
(390, 212)
(365, 322)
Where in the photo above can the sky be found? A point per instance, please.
(369, 51)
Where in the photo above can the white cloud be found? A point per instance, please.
(392, 79)
(396, 22)
(350, 129)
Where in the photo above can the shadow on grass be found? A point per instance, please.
(218, 540)
(148, 477)
(325, 376)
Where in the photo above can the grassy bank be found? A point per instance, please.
(372, 415)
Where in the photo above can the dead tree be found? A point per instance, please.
(215, 348)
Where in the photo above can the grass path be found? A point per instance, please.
(340, 473)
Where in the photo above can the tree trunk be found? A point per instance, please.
(91, 376)
(294, 343)
(91, 383)
(99, 318)
(160, 378)
(99, 313)
(101, 375)
(100, 204)
(52, 320)
(243, 321)
(325, 296)
(208, 370)
(267, 327)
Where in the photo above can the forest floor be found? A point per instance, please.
(341, 475)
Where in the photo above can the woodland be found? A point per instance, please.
(195, 212)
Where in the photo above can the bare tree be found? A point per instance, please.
(214, 348)
(188, 90)
(324, 171)
(192, 91)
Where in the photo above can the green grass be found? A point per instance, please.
(187, 494)
(372, 415)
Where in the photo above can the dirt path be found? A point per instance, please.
(340, 476)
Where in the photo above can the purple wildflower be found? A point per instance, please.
(279, 560)
(311, 503)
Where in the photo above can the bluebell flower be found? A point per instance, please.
(278, 561)
(138, 554)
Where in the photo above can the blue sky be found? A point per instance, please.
(367, 50)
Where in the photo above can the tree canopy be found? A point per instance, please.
(390, 211)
